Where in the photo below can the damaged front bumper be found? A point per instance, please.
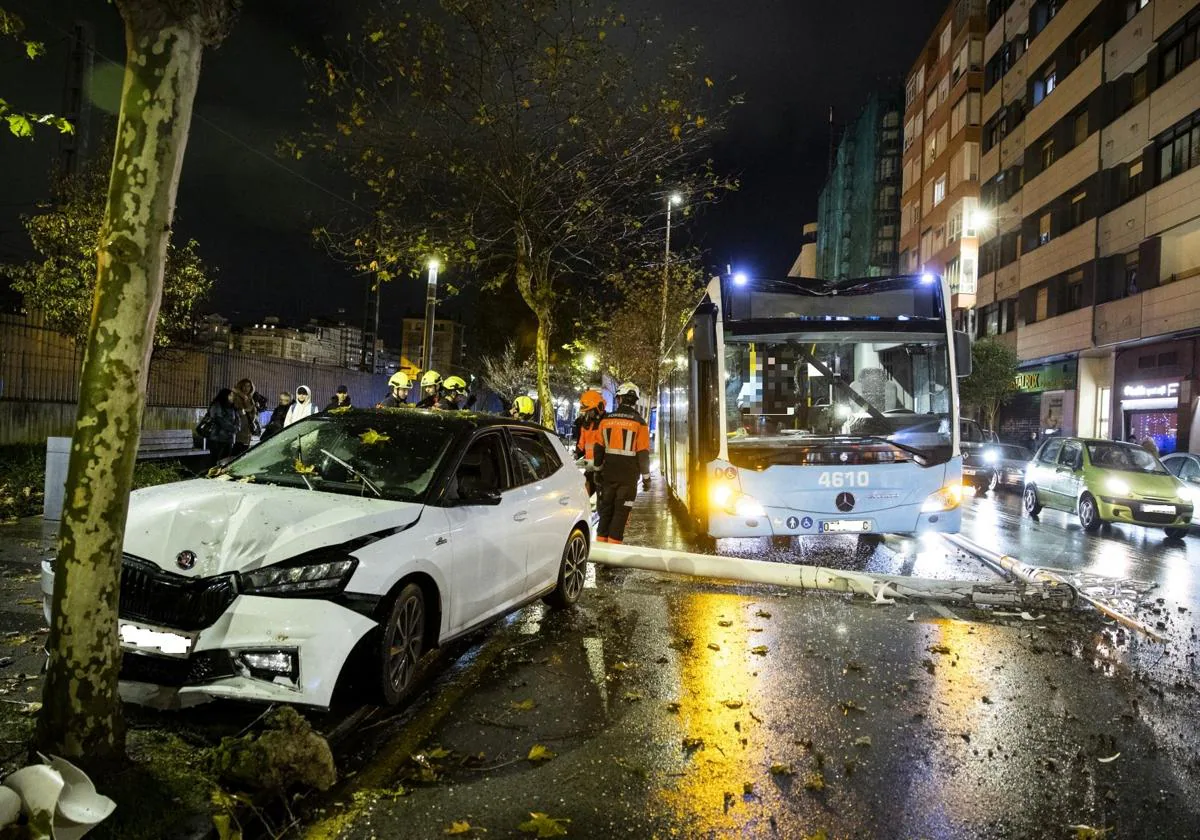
(275, 650)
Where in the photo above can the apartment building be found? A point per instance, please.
(1090, 214)
(941, 155)
(447, 353)
(859, 206)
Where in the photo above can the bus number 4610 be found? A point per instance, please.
(850, 478)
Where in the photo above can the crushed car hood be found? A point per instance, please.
(231, 526)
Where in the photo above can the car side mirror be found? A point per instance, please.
(962, 353)
(470, 494)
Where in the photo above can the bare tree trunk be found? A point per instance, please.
(81, 714)
(545, 325)
(533, 284)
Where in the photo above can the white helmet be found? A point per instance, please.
(629, 388)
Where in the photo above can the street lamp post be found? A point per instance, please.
(672, 199)
(430, 312)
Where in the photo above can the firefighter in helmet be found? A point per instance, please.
(431, 384)
(622, 455)
(454, 394)
(398, 387)
(587, 433)
(522, 408)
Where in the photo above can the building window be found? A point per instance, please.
(939, 190)
(970, 212)
(1104, 407)
(1078, 208)
(1131, 273)
(1047, 154)
(1044, 229)
(1131, 186)
(943, 90)
(1178, 51)
(1081, 127)
(953, 275)
(944, 41)
(1042, 305)
(1179, 149)
(1074, 291)
(1139, 86)
(968, 283)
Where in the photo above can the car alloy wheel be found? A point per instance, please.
(403, 643)
(571, 571)
(995, 482)
(1029, 501)
(1089, 516)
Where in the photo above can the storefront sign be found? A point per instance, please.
(1150, 392)
(1056, 377)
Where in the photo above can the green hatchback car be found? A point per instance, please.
(1106, 481)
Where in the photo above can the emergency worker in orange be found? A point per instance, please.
(622, 455)
(587, 433)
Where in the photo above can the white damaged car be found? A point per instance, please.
(377, 533)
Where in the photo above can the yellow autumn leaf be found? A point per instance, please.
(437, 752)
(780, 769)
(303, 468)
(725, 623)
(759, 650)
(524, 705)
(371, 437)
(539, 753)
(544, 825)
(700, 121)
(732, 704)
(708, 81)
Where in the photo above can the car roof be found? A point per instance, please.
(458, 420)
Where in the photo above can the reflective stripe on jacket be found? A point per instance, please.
(624, 446)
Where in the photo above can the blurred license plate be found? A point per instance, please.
(968, 471)
(845, 526)
(1158, 508)
(165, 642)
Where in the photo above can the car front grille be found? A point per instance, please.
(154, 596)
(204, 667)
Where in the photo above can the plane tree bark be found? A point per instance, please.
(81, 714)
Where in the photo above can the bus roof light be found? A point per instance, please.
(927, 278)
(740, 278)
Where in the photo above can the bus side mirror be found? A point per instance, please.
(704, 333)
(962, 353)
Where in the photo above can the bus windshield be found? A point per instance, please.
(785, 392)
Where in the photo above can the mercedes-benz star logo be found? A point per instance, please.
(845, 502)
(187, 559)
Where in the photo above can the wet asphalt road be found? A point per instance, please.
(678, 707)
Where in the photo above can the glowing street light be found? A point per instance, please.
(590, 361)
(430, 313)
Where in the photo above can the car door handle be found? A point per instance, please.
(564, 500)
(520, 515)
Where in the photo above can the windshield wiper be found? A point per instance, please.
(366, 481)
(924, 455)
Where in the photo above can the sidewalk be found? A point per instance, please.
(23, 630)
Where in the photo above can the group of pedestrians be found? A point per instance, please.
(232, 419)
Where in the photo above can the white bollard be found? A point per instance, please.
(58, 456)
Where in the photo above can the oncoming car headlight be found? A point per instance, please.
(947, 498)
(1185, 494)
(990, 456)
(1117, 486)
(310, 579)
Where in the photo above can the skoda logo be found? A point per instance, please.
(187, 559)
(845, 502)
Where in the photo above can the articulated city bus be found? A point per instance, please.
(799, 407)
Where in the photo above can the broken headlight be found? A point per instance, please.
(308, 579)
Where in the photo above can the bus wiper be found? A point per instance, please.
(923, 456)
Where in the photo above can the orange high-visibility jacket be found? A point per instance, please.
(589, 436)
(624, 446)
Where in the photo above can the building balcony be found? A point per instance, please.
(1126, 136)
(1130, 44)
(1069, 92)
(1068, 333)
(1072, 168)
(1170, 308)
(1070, 16)
(1175, 100)
(1173, 202)
(1060, 254)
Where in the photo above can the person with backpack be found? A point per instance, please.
(220, 425)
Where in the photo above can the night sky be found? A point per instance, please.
(252, 213)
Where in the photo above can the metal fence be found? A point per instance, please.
(38, 365)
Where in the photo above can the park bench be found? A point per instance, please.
(168, 443)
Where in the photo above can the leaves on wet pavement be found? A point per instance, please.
(732, 704)
(693, 744)
(1086, 832)
(939, 649)
(682, 643)
(759, 650)
(539, 752)
(544, 825)
(848, 706)
(780, 769)
(725, 622)
(864, 741)
(814, 781)
(673, 707)
(713, 646)
(623, 666)
(763, 614)
(523, 705)
(461, 827)
(632, 696)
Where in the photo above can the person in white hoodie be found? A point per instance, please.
(301, 408)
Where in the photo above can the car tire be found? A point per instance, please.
(1029, 501)
(572, 570)
(1089, 514)
(401, 645)
(1176, 533)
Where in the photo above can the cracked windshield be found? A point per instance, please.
(779, 393)
(381, 456)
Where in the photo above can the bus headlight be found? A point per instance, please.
(748, 507)
(948, 498)
(720, 494)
